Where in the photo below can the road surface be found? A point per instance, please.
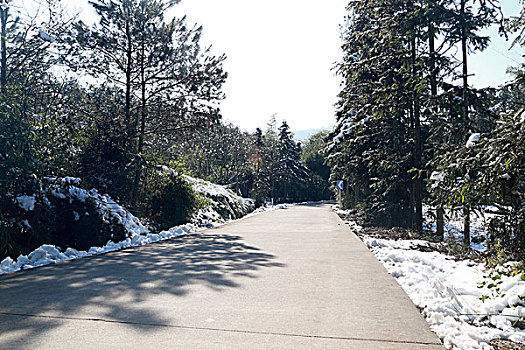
(295, 278)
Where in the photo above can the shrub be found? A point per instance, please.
(169, 200)
(57, 216)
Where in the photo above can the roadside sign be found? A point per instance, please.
(340, 185)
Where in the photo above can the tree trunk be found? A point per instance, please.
(347, 200)
(440, 217)
(432, 52)
(143, 116)
(3, 70)
(418, 152)
(440, 214)
(466, 226)
(127, 109)
(466, 209)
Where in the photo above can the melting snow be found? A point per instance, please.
(447, 291)
(138, 234)
(26, 202)
(472, 140)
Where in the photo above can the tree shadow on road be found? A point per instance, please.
(119, 286)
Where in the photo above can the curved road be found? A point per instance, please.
(296, 278)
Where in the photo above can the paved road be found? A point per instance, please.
(295, 278)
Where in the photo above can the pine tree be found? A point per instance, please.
(312, 156)
(290, 170)
(27, 87)
(490, 165)
(317, 186)
(219, 154)
(463, 110)
(516, 26)
(170, 85)
(261, 189)
(379, 137)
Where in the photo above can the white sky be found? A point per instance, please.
(489, 67)
(280, 55)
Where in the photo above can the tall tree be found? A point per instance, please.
(170, 85)
(27, 85)
(379, 138)
(464, 108)
(290, 170)
(219, 154)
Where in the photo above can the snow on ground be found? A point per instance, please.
(447, 292)
(138, 234)
(108, 209)
(50, 254)
(210, 189)
(454, 224)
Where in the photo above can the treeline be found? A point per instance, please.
(269, 166)
(412, 130)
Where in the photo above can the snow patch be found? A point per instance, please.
(447, 291)
(26, 202)
(138, 234)
(472, 140)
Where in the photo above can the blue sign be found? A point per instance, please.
(340, 185)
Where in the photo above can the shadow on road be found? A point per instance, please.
(114, 286)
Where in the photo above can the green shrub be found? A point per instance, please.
(57, 218)
(170, 200)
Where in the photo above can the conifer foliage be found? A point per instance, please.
(412, 130)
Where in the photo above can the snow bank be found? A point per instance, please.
(220, 198)
(49, 254)
(108, 209)
(223, 204)
(447, 291)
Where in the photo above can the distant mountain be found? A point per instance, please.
(303, 135)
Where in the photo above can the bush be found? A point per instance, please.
(169, 200)
(56, 217)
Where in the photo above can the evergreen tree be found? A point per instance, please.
(397, 114)
(219, 154)
(516, 26)
(317, 186)
(261, 190)
(290, 171)
(312, 156)
(463, 110)
(487, 169)
(378, 138)
(31, 95)
(170, 86)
